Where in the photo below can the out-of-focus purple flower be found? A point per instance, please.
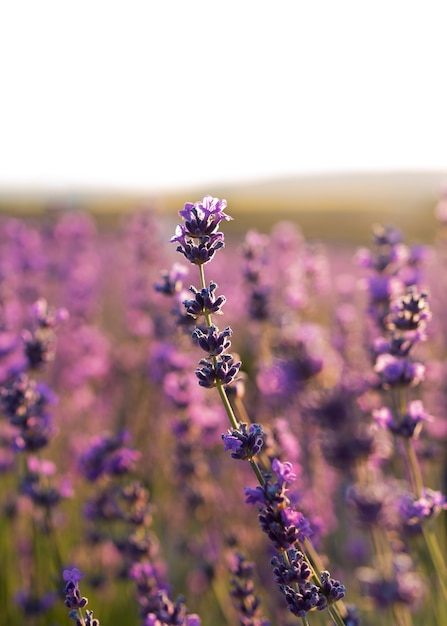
(46, 316)
(181, 388)
(108, 454)
(367, 502)
(394, 371)
(243, 592)
(165, 357)
(410, 423)
(33, 605)
(86, 355)
(163, 611)
(403, 586)
(40, 342)
(172, 280)
(409, 312)
(415, 511)
(41, 466)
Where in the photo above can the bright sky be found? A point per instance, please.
(157, 93)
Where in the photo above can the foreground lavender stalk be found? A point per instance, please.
(304, 587)
(75, 601)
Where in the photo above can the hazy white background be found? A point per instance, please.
(158, 94)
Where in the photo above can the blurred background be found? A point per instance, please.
(332, 114)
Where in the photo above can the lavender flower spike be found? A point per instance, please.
(198, 238)
(75, 601)
(203, 218)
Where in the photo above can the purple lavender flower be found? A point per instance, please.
(332, 588)
(394, 371)
(410, 423)
(72, 575)
(294, 570)
(402, 586)
(409, 312)
(75, 601)
(225, 371)
(40, 343)
(201, 252)
(415, 511)
(73, 598)
(204, 302)
(242, 591)
(172, 280)
(213, 341)
(244, 444)
(108, 455)
(284, 472)
(278, 519)
(198, 238)
(203, 218)
(163, 612)
(308, 597)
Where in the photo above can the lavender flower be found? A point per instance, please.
(224, 371)
(244, 444)
(198, 238)
(203, 218)
(75, 601)
(204, 302)
(172, 280)
(418, 510)
(408, 425)
(213, 341)
(243, 592)
(108, 455)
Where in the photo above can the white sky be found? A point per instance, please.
(155, 94)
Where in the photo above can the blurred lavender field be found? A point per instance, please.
(117, 464)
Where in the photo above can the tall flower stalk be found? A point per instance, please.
(300, 578)
(399, 310)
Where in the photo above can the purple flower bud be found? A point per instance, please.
(213, 342)
(244, 444)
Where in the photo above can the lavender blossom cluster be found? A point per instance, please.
(287, 466)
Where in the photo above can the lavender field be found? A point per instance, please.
(200, 428)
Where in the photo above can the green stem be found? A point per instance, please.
(335, 615)
(202, 280)
(436, 557)
(317, 566)
(227, 405)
